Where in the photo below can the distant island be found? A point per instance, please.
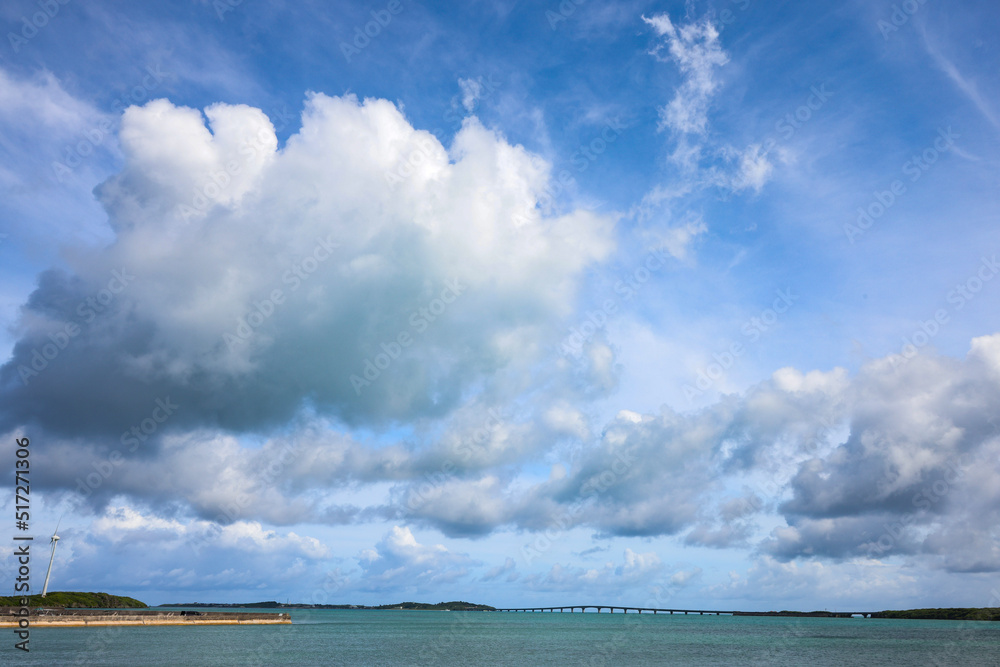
(948, 614)
(407, 606)
(80, 600)
(71, 600)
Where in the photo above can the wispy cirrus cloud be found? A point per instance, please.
(696, 51)
(968, 87)
(699, 160)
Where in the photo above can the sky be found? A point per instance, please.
(663, 304)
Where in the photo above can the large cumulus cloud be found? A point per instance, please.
(249, 282)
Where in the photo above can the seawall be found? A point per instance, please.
(77, 618)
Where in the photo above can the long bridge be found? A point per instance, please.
(702, 612)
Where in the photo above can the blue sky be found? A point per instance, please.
(651, 303)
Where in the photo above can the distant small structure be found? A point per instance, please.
(54, 541)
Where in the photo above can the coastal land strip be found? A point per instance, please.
(85, 618)
(403, 606)
(76, 609)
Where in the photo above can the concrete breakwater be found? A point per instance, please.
(76, 618)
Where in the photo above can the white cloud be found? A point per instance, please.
(754, 170)
(126, 524)
(662, 25)
(898, 460)
(509, 568)
(398, 559)
(696, 50)
(684, 577)
(676, 240)
(796, 584)
(213, 220)
(463, 507)
(250, 534)
(472, 90)
(42, 101)
(121, 523)
(607, 581)
(45, 125)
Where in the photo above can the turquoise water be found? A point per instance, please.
(475, 638)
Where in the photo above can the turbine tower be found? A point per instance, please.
(55, 541)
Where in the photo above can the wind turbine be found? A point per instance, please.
(55, 541)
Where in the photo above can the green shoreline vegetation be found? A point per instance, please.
(79, 600)
(404, 606)
(74, 600)
(946, 614)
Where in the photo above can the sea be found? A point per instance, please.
(372, 637)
